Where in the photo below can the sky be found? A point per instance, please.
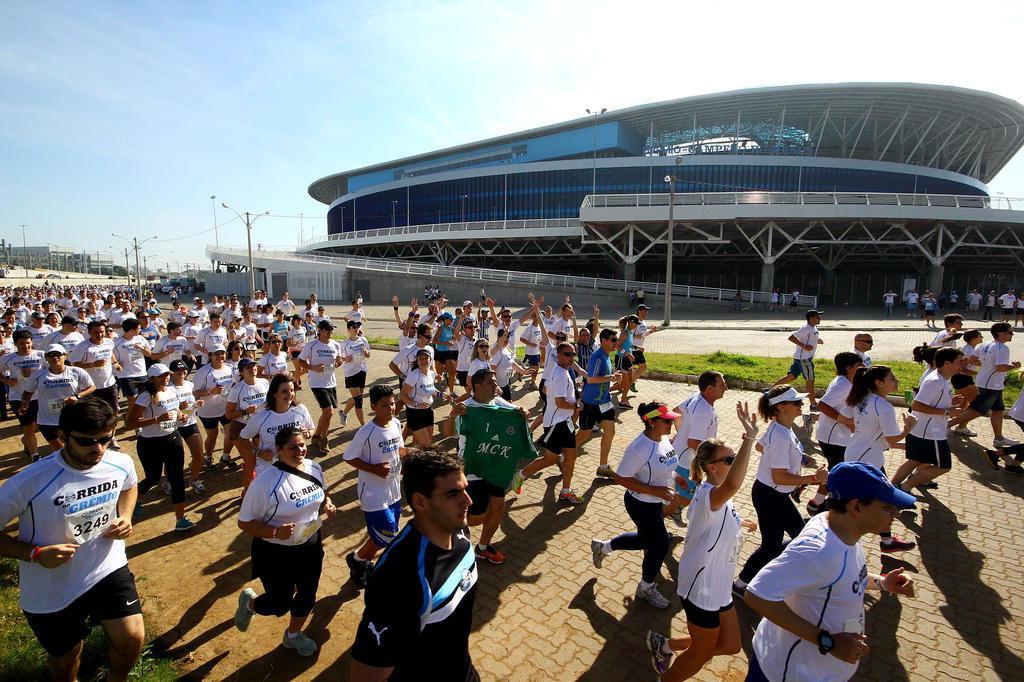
(124, 118)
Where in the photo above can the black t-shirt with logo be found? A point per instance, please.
(419, 609)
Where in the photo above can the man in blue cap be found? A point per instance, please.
(812, 595)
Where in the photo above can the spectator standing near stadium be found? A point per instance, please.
(889, 301)
(74, 511)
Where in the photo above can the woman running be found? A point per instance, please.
(418, 393)
(274, 361)
(624, 358)
(928, 454)
(188, 427)
(246, 397)
(646, 473)
(212, 383)
(296, 339)
(778, 474)
(281, 511)
(155, 412)
(445, 355)
(876, 430)
(963, 381)
(708, 561)
(504, 365)
(256, 441)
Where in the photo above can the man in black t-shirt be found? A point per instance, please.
(419, 598)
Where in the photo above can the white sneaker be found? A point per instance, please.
(166, 485)
(199, 487)
(964, 431)
(652, 596)
(343, 417)
(1003, 442)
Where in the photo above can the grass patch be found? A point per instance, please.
(21, 657)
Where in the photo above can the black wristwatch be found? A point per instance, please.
(825, 643)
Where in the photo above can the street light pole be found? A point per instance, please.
(595, 114)
(464, 197)
(136, 245)
(671, 180)
(216, 238)
(393, 204)
(249, 220)
(24, 247)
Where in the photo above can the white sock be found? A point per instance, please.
(819, 498)
(565, 490)
(646, 587)
(887, 540)
(606, 547)
(740, 584)
(291, 635)
(666, 649)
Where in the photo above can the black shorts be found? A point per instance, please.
(357, 380)
(294, 353)
(188, 431)
(834, 454)
(113, 597)
(622, 362)
(592, 414)
(561, 436)
(960, 381)
(326, 397)
(131, 385)
(638, 358)
(506, 392)
(461, 378)
(49, 432)
(444, 356)
(928, 451)
(988, 399)
(417, 419)
(532, 360)
(30, 415)
(702, 618)
(481, 492)
(210, 423)
(107, 395)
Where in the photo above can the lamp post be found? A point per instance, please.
(463, 198)
(249, 221)
(136, 245)
(671, 180)
(595, 114)
(24, 248)
(393, 204)
(216, 238)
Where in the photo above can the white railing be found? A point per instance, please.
(512, 276)
(800, 198)
(441, 229)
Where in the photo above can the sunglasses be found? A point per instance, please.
(728, 460)
(90, 442)
(568, 355)
(275, 341)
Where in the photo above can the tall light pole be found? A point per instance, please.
(671, 180)
(24, 247)
(136, 245)
(216, 238)
(595, 114)
(393, 204)
(464, 197)
(249, 220)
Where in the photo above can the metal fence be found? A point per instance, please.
(800, 198)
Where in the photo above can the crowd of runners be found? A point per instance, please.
(214, 387)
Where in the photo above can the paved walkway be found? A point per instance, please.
(549, 614)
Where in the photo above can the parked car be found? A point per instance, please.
(166, 288)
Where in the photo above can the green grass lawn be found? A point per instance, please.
(21, 657)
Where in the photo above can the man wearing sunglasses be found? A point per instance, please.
(74, 509)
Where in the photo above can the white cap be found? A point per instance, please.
(218, 348)
(789, 395)
(465, 303)
(55, 348)
(158, 369)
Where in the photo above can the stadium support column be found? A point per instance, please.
(767, 276)
(828, 281)
(935, 273)
(628, 271)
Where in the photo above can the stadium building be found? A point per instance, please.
(842, 190)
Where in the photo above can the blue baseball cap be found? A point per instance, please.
(860, 481)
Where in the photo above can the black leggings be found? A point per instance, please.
(651, 535)
(290, 575)
(159, 455)
(777, 516)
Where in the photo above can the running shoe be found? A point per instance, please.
(243, 614)
(227, 462)
(302, 644)
(488, 553)
(813, 407)
(114, 445)
(208, 461)
(199, 487)
(166, 485)
(359, 570)
(570, 496)
(1014, 469)
(605, 471)
(343, 417)
(517, 482)
(656, 645)
(897, 544)
(677, 517)
(652, 596)
(815, 509)
(597, 552)
(964, 431)
(1003, 442)
(183, 524)
(930, 485)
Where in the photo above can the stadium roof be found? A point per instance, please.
(949, 128)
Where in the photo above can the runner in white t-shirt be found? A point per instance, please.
(274, 360)
(377, 451)
(320, 358)
(256, 441)
(74, 512)
(812, 595)
(994, 359)
(708, 561)
(245, 398)
(16, 369)
(697, 423)
(188, 426)
(54, 387)
(354, 352)
(807, 341)
(212, 383)
(835, 424)
(281, 510)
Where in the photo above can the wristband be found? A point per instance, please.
(34, 554)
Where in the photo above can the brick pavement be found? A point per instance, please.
(547, 613)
